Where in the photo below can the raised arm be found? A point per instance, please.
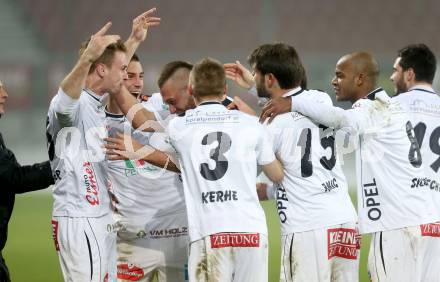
(74, 82)
(138, 116)
(139, 31)
(329, 115)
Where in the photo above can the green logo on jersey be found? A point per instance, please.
(135, 167)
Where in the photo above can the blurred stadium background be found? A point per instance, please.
(39, 40)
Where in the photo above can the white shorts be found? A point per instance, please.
(229, 257)
(326, 254)
(86, 248)
(403, 255)
(158, 249)
(431, 260)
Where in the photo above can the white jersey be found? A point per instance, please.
(143, 190)
(423, 106)
(389, 196)
(313, 193)
(75, 132)
(218, 151)
(155, 102)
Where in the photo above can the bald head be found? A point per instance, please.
(356, 75)
(363, 63)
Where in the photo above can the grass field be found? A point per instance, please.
(31, 255)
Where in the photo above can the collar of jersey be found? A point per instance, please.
(100, 99)
(294, 92)
(372, 94)
(423, 88)
(209, 103)
(112, 115)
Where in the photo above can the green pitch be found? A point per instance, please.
(31, 256)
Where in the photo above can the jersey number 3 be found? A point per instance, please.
(217, 155)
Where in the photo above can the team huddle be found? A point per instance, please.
(165, 186)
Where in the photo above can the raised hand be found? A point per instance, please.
(239, 104)
(141, 24)
(98, 42)
(241, 75)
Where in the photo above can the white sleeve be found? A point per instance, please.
(66, 108)
(331, 116)
(265, 154)
(253, 91)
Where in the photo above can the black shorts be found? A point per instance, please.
(4, 272)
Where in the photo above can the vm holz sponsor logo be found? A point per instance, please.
(343, 243)
(430, 230)
(90, 184)
(130, 272)
(167, 233)
(243, 240)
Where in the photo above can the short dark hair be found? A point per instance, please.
(421, 59)
(170, 68)
(282, 61)
(107, 56)
(135, 58)
(208, 78)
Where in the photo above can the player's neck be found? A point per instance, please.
(276, 93)
(416, 84)
(95, 85)
(201, 100)
(112, 106)
(364, 92)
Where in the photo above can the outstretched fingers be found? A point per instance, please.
(104, 29)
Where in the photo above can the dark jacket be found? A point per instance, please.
(16, 179)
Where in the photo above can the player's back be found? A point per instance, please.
(423, 107)
(218, 152)
(313, 193)
(388, 194)
(75, 129)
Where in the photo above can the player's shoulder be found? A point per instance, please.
(317, 96)
(285, 120)
(374, 99)
(155, 103)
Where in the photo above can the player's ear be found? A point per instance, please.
(360, 79)
(269, 80)
(100, 70)
(190, 90)
(409, 75)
